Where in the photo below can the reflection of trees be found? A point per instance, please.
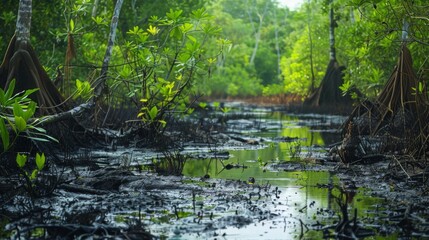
(325, 132)
(303, 134)
(196, 167)
(316, 186)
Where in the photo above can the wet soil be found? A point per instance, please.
(117, 194)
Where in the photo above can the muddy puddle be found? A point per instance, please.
(266, 175)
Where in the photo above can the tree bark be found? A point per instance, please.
(405, 27)
(100, 83)
(23, 22)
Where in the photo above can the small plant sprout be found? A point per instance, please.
(202, 105)
(225, 109)
(21, 160)
(40, 161)
(216, 105)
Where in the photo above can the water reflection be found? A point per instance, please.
(305, 197)
(283, 137)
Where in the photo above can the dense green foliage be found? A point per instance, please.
(368, 38)
(16, 118)
(271, 51)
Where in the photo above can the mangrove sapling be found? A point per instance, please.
(17, 119)
(167, 58)
(30, 176)
(17, 126)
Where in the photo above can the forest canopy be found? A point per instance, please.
(273, 50)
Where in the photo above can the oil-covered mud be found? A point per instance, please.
(249, 173)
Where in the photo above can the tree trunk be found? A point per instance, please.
(23, 23)
(328, 93)
(332, 25)
(405, 27)
(276, 34)
(100, 83)
(257, 31)
(310, 39)
(22, 64)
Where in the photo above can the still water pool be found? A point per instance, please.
(288, 150)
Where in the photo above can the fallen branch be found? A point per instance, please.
(65, 115)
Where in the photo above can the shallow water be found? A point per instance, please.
(306, 193)
(294, 193)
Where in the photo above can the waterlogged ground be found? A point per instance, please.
(265, 175)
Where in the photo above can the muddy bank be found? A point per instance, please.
(112, 203)
(254, 173)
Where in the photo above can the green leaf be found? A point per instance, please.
(163, 123)
(192, 38)
(41, 137)
(21, 159)
(38, 129)
(210, 29)
(2, 98)
(20, 123)
(125, 72)
(31, 109)
(176, 33)
(143, 37)
(135, 31)
(225, 109)
(83, 90)
(27, 93)
(34, 174)
(78, 84)
(153, 30)
(153, 18)
(190, 110)
(193, 47)
(186, 27)
(202, 105)
(11, 125)
(153, 112)
(99, 20)
(17, 110)
(174, 15)
(10, 90)
(216, 105)
(199, 14)
(71, 25)
(40, 161)
(4, 135)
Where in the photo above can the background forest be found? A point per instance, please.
(266, 48)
